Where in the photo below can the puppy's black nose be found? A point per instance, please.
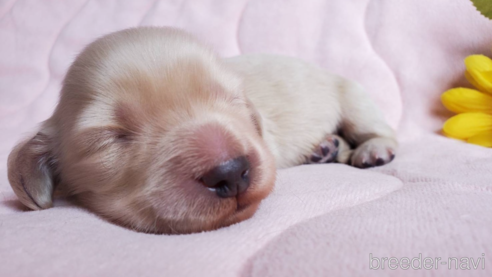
(229, 178)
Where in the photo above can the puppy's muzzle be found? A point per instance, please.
(230, 178)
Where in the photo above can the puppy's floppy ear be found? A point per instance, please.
(255, 116)
(30, 171)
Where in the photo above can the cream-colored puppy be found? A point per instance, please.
(155, 132)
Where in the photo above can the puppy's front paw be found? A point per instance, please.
(374, 152)
(326, 151)
(332, 149)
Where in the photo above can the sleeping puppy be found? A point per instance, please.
(155, 132)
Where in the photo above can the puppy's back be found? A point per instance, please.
(298, 102)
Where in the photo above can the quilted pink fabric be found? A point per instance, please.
(434, 201)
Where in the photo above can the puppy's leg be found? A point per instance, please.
(332, 148)
(364, 127)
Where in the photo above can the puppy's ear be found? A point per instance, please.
(255, 116)
(30, 172)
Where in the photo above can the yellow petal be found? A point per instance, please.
(483, 139)
(483, 79)
(460, 100)
(479, 72)
(473, 82)
(466, 125)
(478, 62)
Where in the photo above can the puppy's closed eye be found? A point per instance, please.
(255, 117)
(97, 139)
(130, 117)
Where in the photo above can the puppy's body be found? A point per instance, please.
(300, 104)
(153, 131)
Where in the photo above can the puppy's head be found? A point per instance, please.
(152, 132)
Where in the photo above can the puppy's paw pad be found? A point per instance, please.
(326, 151)
(375, 152)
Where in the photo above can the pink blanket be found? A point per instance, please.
(432, 205)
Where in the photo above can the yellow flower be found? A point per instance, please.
(466, 125)
(461, 100)
(479, 72)
(474, 120)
